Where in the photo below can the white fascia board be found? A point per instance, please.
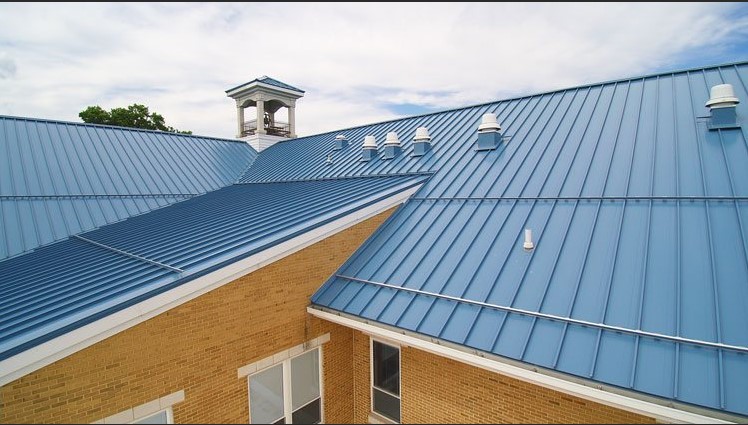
(659, 412)
(48, 352)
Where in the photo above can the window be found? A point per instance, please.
(385, 380)
(288, 392)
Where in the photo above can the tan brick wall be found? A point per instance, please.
(198, 347)
(436, 389)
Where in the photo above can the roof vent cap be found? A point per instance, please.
(370, 142)
(722, 96)
(370, 148)
(329, 159)
(392, 139)
(422, 134)
(391, 145)
(489, 123)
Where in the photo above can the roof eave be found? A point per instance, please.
(663, 409)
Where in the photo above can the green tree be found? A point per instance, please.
(134, 116)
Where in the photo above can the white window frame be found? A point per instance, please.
(287, 390)
(145, 410)
(378, 417)
(169, 416)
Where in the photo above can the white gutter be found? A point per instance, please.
(659, 412)
(55, 349)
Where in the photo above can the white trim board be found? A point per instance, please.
(659, 412)
(146, 409)
(48, 352)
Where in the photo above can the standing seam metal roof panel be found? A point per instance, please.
(58, 179)
(95, 274)
(638, 215)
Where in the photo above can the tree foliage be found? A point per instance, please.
(134, 116)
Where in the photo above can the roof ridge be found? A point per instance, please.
(381, 175)
(116, 127)
(602, 83)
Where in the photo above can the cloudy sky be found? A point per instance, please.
(357, 63)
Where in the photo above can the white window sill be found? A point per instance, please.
(376, 418)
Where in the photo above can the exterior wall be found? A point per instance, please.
(436, 389)
(198, 347)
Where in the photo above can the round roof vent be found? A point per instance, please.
(722, 96)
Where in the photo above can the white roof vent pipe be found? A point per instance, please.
(421, 141)
(369, 148)
(329, 159)
(528, 245)
(391, 145)
(489, 133)
(722, 103)
(340, 142)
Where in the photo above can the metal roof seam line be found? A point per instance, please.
(603, 326)
(131, 255)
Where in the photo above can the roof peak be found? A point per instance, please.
(269, 81)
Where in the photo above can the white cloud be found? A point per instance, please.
(352, 60)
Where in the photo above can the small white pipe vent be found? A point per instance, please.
(722, 96)
(528, 245)
(329, 159)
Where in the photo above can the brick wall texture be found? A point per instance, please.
(198, 347)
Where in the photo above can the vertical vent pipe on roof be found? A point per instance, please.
(528, 245)
(421, 141)
(722, 104)
(391, 145)
(489, 133)
(340, 142)
(369, 148)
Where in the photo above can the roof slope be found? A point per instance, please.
(58, 179)
(93, 275)
(639, 218)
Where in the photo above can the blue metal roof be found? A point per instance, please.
(639, 216)
(270, 81)
(58, 179)
(66, 285)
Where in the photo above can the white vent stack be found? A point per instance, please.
(722, 104)
(340, 142)
(489, 133)
(421, 141)
(528, 245)
(329, 159)
(369, 148)
(391, 145)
